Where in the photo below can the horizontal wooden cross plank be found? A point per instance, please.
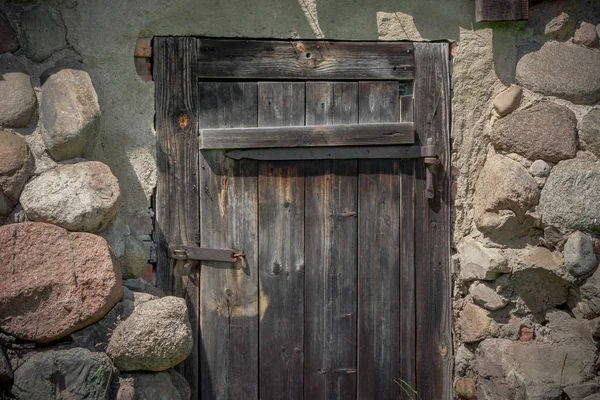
(308, 136)
(270, 59)
(334, 153)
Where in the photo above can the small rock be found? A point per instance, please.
(69, 111)
(474, 324)
(79, 197)
(545, 131)
(503, 185)
(559, 27)
(508, 100)
(541, 257)
(568, 199)
(74, 374)
(16, 166)
(590, 131)
(6, 373)
(465, 388)
(17, 215)
(525, 334)
(487, 297)
(44, 32)
(563, 70)
(580, 392)
(9, 42)
(156, 336)
(579, 256)
(18, 101)
(553, 237)
(540, 168)
(67, 280)
(479, 262)
(586, 35)
(463, 360)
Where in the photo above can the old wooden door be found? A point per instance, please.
(343, 290)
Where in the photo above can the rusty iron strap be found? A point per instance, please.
(334, 153)
(204, 254)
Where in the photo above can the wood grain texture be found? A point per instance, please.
(432, 232)
(378, 256)
(330, 253)
(272, 59)
(308, 136)
(177, 187)
(281, 251)
(229, 208)
(501, 10)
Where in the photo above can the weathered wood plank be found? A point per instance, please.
(271, 59)
(378, 258)
(432, 233)
(330, 253)
(308, 136)
(281, 251)
(501, 10)
(229, 207)
(177, 158)
(407, 260)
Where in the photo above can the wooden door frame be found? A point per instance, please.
(175, 70)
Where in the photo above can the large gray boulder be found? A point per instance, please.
(534, 370)
(545, 131)
(503, 190)
(53, 282)
(78, 197)
(18, 101)
(9, 41)
(16, 166)
(569, 197)
(69, 111)
(590, 131)
(563, 70)
(157, 336)
(44, 32)
(75, 374)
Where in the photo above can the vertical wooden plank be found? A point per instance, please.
(330, 252)
(177, 159)
(378, 255)
(432, 230)
(281, 251)
(229, 208)
(407, 258)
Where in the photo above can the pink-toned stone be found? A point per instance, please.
(586, 35)
(53, 282)
(525, 334)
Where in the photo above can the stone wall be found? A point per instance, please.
(78, 170)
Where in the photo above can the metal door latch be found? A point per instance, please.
(205, 254)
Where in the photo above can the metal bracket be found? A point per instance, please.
(204, 254)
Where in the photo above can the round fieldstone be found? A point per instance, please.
(9, 42)
(78, 197)
(508, 100)
(156, 337)
(546, 131)
(579, 256)
(540, 169)
(44, 32)
(18, 100)
(563, 70)
(586, 35)
(16, 166)
(53, 282)
(69, 111)
(590, 131)
(569, 197)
